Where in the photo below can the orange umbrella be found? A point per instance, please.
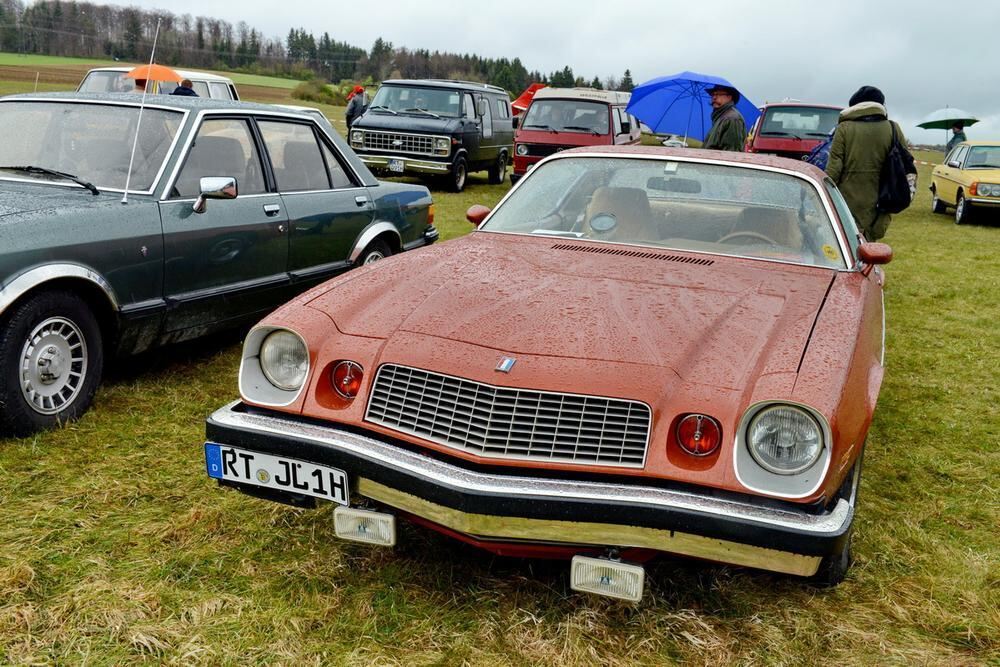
(154, 73)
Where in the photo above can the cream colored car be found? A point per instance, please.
(968, 180)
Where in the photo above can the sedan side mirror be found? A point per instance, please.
(215, 187)
(874, 253)
(477, 213)
(953, 164)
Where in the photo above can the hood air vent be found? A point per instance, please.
(622, 252)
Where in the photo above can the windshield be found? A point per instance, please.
(412, 99)
(983, 157)
(567, 116)
(92, 141)
(683, 205)
(799, 121)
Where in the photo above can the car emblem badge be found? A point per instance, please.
(506, 364)
(263, 476)
(397, 143)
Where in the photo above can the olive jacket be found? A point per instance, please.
(860, 145)
(729, 129)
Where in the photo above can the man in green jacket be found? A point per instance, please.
(957, 137)
(860, 145)
(729, 129)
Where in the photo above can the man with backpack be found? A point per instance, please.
(861, 146)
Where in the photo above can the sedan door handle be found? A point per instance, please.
(361, 201)
(271, 210)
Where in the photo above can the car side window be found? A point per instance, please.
(846, 218)
(470, 106)
(487, 119)
(503, 110)
(338, 175)
(618, 121)
(962, 152)
(201, 88)
(220, 91)
(295, 156)
(222, 147)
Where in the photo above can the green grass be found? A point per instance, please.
(117, 549)
(33, 60)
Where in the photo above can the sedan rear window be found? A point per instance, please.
(91, 141)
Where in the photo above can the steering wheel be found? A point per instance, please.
(748, 234)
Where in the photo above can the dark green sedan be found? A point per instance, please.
(125, 227)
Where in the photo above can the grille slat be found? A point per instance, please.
(500, 422)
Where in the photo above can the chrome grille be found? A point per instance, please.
(420, 144)
(505, 423)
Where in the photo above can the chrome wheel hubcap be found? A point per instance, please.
(53, 365)
(373, 256)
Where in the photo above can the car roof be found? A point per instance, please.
(453, 84)
(609, 96)
(980, 143)
(749, 159)
(809, 105)
(185, 73)
(179, 102)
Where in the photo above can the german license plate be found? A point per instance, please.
(276, 472)
(396, 165)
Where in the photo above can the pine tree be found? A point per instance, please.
(626, 84)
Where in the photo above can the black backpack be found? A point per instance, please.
(894, 194)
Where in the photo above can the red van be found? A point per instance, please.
(561, 118)
(791, 129)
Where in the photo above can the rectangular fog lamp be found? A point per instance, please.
(607, 577)
(364, 526)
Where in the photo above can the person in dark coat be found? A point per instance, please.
(729, 128)
(957, 137)
(357, 102)
(186, 89)
(860, 145)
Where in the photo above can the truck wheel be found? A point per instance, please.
(51, 358)
(963, 210)
(459, 174)
(937, 206)
(376, 250)
(498, 172)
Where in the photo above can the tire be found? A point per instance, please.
(937, 206)
(459, 174)
(51, 359)
(376, 251)
(963, 210)
(498, 172)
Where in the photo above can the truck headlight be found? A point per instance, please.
(284, 360)
(442, 144)
(522, 149)
(357, 137)
(784, 439)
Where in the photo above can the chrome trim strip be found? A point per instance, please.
(844, 247)
(383, 160)
(39, 275)
(444, 474)
(368, 234)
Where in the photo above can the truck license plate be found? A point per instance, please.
(396, 166)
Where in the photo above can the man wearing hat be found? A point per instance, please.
(357, 102)
(729, 129)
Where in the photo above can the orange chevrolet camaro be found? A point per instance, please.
(639, 350)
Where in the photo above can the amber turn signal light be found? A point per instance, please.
(699, 435)
(346, 379)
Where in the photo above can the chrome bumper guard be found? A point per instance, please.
(409, 164)
(235, 426)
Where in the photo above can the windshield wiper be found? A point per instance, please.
(782, 134)
(429, 113)
(29, 169)
(541, 127)
(382, 107)
(818, 134)
(580, 127)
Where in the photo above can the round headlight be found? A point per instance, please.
(522, 149)
(989, 190)
(784, 439)
(284, 360)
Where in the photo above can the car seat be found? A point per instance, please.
(631, 212)
(776, 224)
(214, 156)
(302, 168)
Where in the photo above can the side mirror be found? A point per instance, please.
(477, 213)
(215, 187)
(515, 121)
(874, 253)
(481, 107)
(953, 164)
(626, 127)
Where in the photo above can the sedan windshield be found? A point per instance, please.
(701, 207)
(983, 157)
(440, 102)
(90, 141)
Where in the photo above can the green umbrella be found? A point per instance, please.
(945, 119)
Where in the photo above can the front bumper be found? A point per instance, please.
(410, 164)
(492, 506)
(984, 201)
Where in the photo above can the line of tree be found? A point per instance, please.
(86, 30)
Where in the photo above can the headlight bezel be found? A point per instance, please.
(255, 385)
(759, 456)
(521, 150)
(801, 484)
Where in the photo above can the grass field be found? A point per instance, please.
(115, 548)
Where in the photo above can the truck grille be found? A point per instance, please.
(504, 423)
(419, 144)
(544, 150)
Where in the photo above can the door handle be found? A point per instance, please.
(271, 210)
(361, 201)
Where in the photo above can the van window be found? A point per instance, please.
(220, 91)
(470, 106)
(618, 121)
(503, 110)
(201, 88)
(487, 120)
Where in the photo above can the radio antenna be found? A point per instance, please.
(138, 123)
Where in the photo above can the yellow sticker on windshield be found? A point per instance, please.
(831, 253)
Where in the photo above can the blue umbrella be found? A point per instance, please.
(678, 104)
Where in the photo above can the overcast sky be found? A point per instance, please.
(919, 53)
